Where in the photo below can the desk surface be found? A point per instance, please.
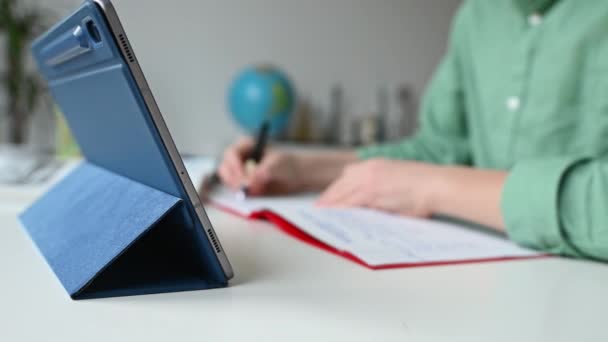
(286, 290)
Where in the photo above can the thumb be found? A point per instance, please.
(244, 145)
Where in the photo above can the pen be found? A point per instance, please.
(254, 158)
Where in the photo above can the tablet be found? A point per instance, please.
(94, 77)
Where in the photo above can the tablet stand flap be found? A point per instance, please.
(89, 220)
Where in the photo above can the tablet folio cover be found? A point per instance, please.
(118, 224)
(106, 235)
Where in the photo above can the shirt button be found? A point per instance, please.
(513, 103)
(535, 19)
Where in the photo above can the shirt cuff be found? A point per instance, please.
(368, 152)
(530, 201)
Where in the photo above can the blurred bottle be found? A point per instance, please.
(372, 127)
(381, 112)
(301, 130)
(334, 130)
(407, 111)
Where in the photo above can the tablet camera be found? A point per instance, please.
(93, 31)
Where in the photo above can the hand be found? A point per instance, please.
(277, 173)
(406, 188)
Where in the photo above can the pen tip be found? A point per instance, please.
(242, 194)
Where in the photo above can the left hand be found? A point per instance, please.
(401, 187)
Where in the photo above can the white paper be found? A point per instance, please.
(228, 199)
(379, 238)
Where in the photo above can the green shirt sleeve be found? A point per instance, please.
(442, 136)
(485, 107)
(559, 205)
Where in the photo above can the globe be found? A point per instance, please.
(261, 93)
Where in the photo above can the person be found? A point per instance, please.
(513, 134)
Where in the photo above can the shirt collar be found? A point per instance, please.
(535, 6)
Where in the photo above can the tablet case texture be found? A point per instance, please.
(106, 235)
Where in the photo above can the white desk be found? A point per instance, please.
(285, 290)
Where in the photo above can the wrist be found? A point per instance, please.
(300, 163)
(469, 194)
(442, 188)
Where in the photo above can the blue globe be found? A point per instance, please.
(261, 93)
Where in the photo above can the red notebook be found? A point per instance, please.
(374, 239)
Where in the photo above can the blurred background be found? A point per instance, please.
(350, 62)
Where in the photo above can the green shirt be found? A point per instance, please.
(524, 87)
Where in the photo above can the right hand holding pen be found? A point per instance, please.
(277, 172)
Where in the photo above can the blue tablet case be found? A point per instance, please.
(121, 223)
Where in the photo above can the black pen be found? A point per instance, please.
(255, 156)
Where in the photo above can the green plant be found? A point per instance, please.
(23, 88)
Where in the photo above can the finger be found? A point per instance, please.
(234, 170)
(258, 186)
(338, 192)
(225, 176)
(234, 162)
(267, 168)
(228, 177)
(244, 145)
(354, 199)
(236, 153)
(332, 192)
(262, 175)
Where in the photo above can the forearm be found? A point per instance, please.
(471, 194)
(318, 169)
